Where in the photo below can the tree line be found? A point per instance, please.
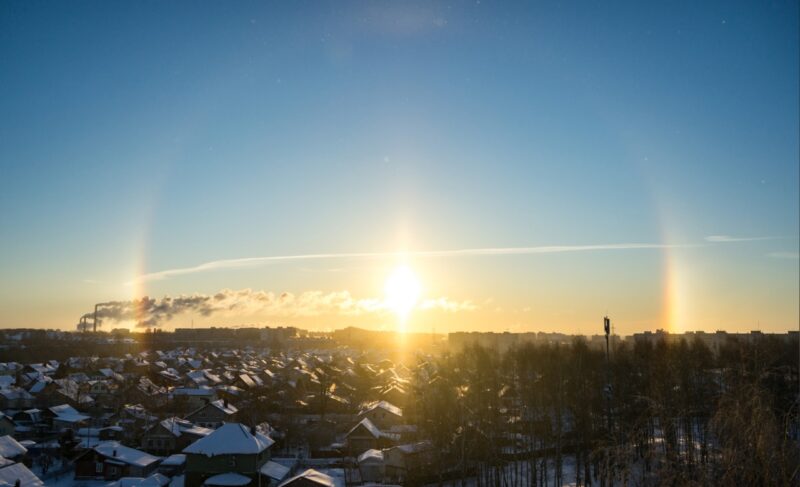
(652, 413)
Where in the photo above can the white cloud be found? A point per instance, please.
(784, 255)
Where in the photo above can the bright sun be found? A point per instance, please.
(402, 292)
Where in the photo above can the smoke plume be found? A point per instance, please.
(152, 312)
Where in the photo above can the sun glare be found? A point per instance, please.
(402, 292)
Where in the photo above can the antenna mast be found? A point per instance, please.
(607, 329)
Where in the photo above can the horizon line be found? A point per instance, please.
(141, 331)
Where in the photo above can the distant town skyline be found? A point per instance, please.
(417, 166)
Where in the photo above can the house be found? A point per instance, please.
(371, 466)
(28, 417)
(101, 389)
(412, 457)
(173, 465)
(74, 392)
(46, 392)
(310, 478)
(365, 436)
(146, 392)
(64, 417)
(248, 381)
(110, 374)
(112, 460)
(230, 393)
(90, 437)
(193, 397)
(41, 369)
(382, 414)
(214, 414)
(29, 423)
(15, 398)
(168, 376)
(172, 435)
(233, 448)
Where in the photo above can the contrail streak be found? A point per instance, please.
(254, 261)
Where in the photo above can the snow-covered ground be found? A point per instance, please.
(517, 474)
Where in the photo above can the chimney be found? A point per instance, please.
(225, 403)
(95, 317)
(114, 453)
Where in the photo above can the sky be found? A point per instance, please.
(528, 166)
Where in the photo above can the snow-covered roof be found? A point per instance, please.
(198, 377)
(224, 406)
(230, 438)
(193, 391)
(155, 480)
(15, 393)
(385, 405)
(10, 448)
(68, 414)
(371, 455)
(96, 431)
(138, 411)
(228, 479)
(19, 472)
(178, 426)
(174, 460)
(415, 447)
(117, 451)
(274, 470)
(373, 430)
(247, 380)
(38, 386)
(72, 416)
(312, 476)
(230, 389)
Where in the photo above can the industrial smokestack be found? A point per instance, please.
(95, 317)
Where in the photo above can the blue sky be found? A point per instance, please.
(141, 137)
